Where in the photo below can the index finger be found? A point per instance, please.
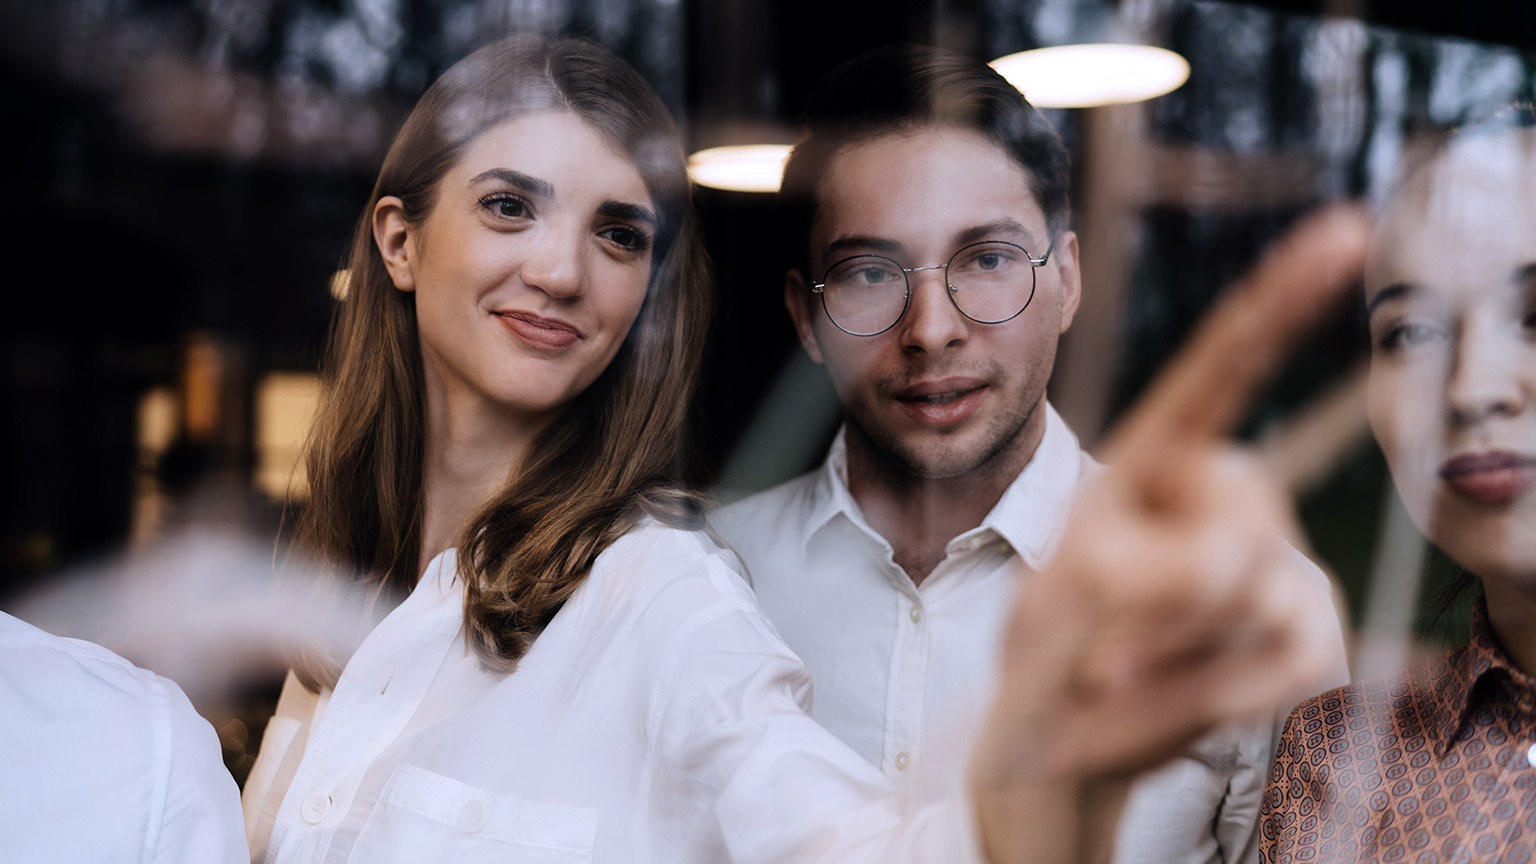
(1209, 384)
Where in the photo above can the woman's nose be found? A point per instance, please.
(554, 266)
(1489, 374)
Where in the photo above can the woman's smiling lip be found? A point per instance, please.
(1493, 477)
(538, 331)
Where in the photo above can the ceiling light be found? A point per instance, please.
(1083, 76)
(742, 168)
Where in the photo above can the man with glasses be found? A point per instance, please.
(940, 274)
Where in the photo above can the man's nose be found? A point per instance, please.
(932, 323)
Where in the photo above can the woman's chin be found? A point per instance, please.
(524, 404)
(1502, 549)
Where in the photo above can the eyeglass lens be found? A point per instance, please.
(988, 282)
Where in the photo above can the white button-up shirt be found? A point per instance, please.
(903, 672)
(657, 718)
(101, 761)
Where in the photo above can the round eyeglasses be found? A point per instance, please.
(989, 282)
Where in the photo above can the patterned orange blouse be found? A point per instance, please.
(1435, 767)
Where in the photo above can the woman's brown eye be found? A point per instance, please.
(505, 206)
(628, 238)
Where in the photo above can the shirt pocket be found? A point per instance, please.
(426, 817)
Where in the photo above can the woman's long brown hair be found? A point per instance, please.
(613, 457)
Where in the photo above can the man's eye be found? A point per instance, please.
(873, 275)
(990, 261)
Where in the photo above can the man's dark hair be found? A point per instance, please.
(903, 88)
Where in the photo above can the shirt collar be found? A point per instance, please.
(440, 580)
(1030, 516)
(830, 498)
(1472, 674)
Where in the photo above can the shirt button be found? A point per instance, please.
(472, 817)
(315, 808)
(916, 614)
(902, 761)
(1530, 755)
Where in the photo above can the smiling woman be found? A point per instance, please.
(555, 253)
(529, 302)
(505, 394)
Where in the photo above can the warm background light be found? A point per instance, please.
(1083, 76)
(341, 282)
(285, 408)
(745, 168)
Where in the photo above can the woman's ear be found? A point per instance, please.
(797, 301)
(392, 234)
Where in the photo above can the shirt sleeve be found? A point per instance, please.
(745, 775)
(1239, 828)
(200, 808)
(103, 761)
(1237, 825)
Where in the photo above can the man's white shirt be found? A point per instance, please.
(101, 761)
(903, 672)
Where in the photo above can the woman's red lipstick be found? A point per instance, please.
(537, 331)
(1495, 477)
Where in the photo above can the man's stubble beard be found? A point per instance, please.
(902, 463)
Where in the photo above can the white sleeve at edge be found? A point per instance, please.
(200, 819)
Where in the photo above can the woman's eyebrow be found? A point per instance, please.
(626, 210)
(532, 185)
(1395, 291)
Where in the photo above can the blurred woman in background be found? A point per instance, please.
(1440, 765)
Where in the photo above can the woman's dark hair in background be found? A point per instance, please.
(908, 87)
(613, 456)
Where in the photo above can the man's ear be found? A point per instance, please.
(392, 234)
(797, 299)
(1065, 259)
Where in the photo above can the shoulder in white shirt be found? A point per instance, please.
(903, 672)
(101, 761)
(658, 718)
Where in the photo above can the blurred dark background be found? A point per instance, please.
(184, 174)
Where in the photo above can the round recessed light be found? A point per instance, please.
(741, 168)
(1082, 76)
